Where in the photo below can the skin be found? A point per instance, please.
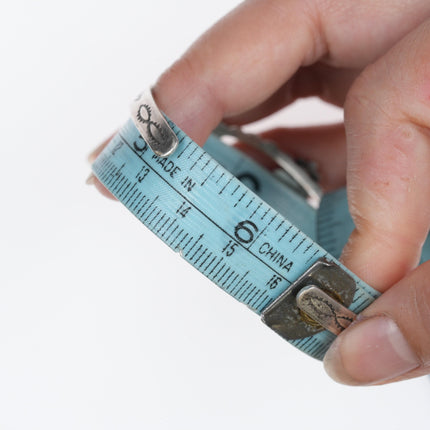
(372, 58)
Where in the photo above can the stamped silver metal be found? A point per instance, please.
(152, 125)
(288, 320)
(325, 310)
(311, 190)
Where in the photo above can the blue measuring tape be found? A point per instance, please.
(248, 230)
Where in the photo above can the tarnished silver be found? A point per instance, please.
(288, 320)
(300, 176)
(325, 310)
(152, 125)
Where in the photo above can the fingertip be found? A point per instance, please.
(92, 180)
(371, 351)
(188, 101)
(95, 152)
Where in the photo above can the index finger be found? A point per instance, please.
(238, 63)
(254, 50)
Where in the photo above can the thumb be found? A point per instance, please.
(390, 339)
(387, 120)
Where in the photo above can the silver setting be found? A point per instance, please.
(310, 188)
(324, 309)
(288, 320)
(152, 125)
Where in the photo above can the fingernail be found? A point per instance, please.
(369, 352)
(91, 179)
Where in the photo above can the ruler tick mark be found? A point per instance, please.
(138, 201)
(130, 194)
(249, 203)
(210, 174)
(185, 246)
(312, 256)
(222, 174)
(294, 236)
(192, 153)
(240, 280)
(134, 201)
(235, 293)
(254, 303)
(265, 213)
(225, 186)
(248, 299)
(244, 291)
(298, 246)
(181, 153)
(196, 252)
(119, 184)
(161, 228)
(234, 191)
(206, 164)
(217, 273)
(256, 209)
(195, 162)
(308, 247)
(173, 232)
(155, 216)
(147, 209)
(207, 267)
(121, 195)
(240, 199)
(179, 244)
(285, 233)
(206, 259)
(225, 273)
(262, 231)
(265, 302)
(158, 222)
(232, 281)
(213, 268)
(176, 237)
(139, 206)
(194, 245)
(260, 306)
(201, 255)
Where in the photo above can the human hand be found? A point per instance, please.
(372, 58)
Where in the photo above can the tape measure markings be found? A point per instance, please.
(117, 178)
(113, 177)
(215, 222)
(205, 215)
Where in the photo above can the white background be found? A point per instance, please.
(101, 325)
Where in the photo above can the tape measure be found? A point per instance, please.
(256, 234)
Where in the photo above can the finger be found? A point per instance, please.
(324, 145)
(92, 180)
(328, 83)
(95, 152)
(390, 342)
(387, 118)
(246, 57)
